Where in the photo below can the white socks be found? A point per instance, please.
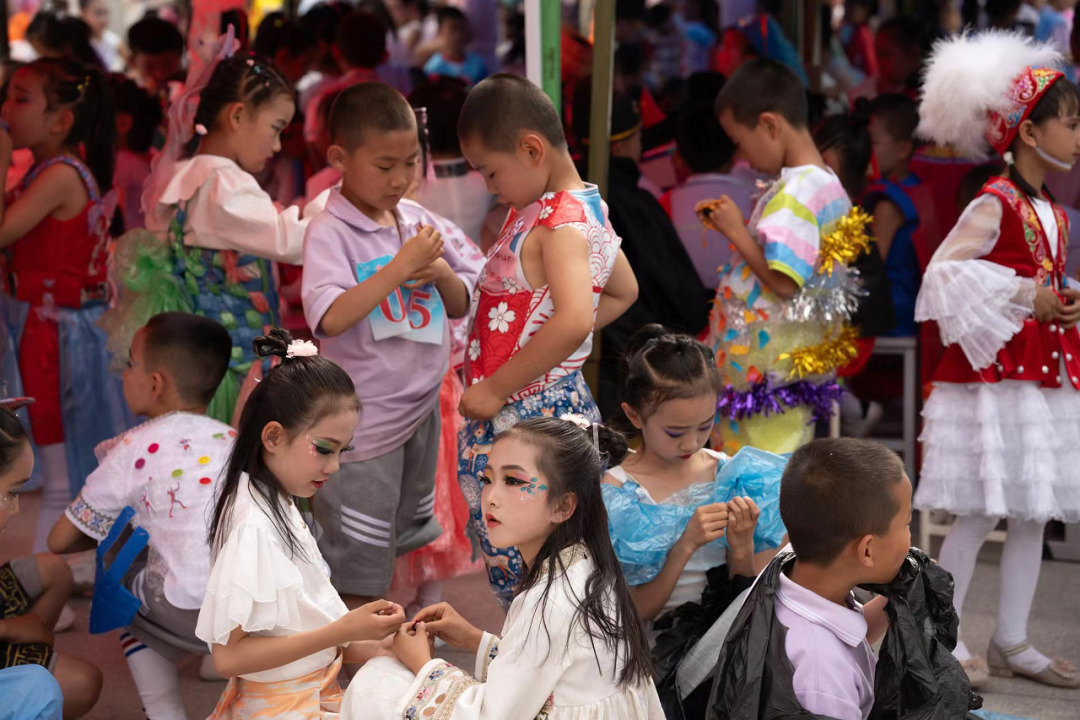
(1021, 560)
(56, 492)
(156, 678)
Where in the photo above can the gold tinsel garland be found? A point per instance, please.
(847, 242)
(826, 356)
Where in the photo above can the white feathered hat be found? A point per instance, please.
(978, 88)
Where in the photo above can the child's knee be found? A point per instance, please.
(81, 682)
(54, 573)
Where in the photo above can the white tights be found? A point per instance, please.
(1021, 560)
(156, 678)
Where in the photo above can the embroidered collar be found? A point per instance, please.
(569, 557)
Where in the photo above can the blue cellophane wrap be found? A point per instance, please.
(643, 534)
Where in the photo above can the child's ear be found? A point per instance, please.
(907, 149)
(157, 386)
(534, 148)
(273, 437)
(336, 156)
(62, 122)
(771, 123)
(633, 416)
(564, 508)
(864, 551)
(1026, 133)
(124, 123)
(235, 115)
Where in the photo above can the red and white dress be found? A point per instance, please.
(1002, 425)
(508, 313)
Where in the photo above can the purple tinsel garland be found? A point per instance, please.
(763, 398)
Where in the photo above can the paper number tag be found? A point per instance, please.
(416, 314)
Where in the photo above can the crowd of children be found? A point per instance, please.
(419, 222)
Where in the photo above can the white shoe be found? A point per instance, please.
(207, 671)
(66, 621)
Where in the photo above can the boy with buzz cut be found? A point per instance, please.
(554, 276)
(378, 288)
(846, 504)
(763, 109)
(167, 470)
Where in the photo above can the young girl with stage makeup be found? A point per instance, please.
(1001, 434)
(274, 623)
(572, 646)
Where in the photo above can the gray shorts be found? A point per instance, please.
(375, 510)
(161, 626)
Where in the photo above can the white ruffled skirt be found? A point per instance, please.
(1010, 449)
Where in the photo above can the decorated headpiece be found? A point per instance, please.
(991, 80)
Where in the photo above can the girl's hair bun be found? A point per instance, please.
(276, 342)
(611, 444)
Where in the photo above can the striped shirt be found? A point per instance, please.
(789, 221)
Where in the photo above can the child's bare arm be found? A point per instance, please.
(65, 537)
(887, 222)
(48, 193)
(877, 622)
(358, 302)
(566, 266)
(619, 294)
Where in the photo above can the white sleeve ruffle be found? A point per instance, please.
(253, 585)
(977, 304)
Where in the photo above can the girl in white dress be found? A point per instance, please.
(572, 646)
(274, 623)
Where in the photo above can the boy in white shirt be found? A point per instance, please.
(167, 470)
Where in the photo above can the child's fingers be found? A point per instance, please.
(432, 612)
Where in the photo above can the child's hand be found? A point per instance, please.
(373, 621)
(480, 402)
(708, 523)
(1047, 304)
(743, 514)
(433, 273)
(443, 622)
(386, 647)
(419, 251)
(25, 630)
(412, 646)
(1069, 315)
(727, 217)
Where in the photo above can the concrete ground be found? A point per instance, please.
(1054, 628)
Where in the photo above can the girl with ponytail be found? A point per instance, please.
(221, 231)
(572, 645)
(275, 625)
(53, 227)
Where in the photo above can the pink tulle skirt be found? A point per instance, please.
(451, 554)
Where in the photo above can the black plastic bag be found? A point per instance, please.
(916, 678)
(682, 627)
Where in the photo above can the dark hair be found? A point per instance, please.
(659, 365)
(701, 141)
(1060, 100)
(278, 33)
(242, 78)
(193, 350)
(898, 114)
(85, 92)
(144, 109)
(65, 35)
(321, 21)
(571, 463)
(296, 394)
(503, 106)
(450, 14)
(905, 31)
(365, 107)
(83, 4)
(837, 490)
(443, 99)
(973, 181)
(361, 39)
(13, 437)
(761, 86)
(154, 36)
(849, 135)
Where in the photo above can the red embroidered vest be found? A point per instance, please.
(1036, 352)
